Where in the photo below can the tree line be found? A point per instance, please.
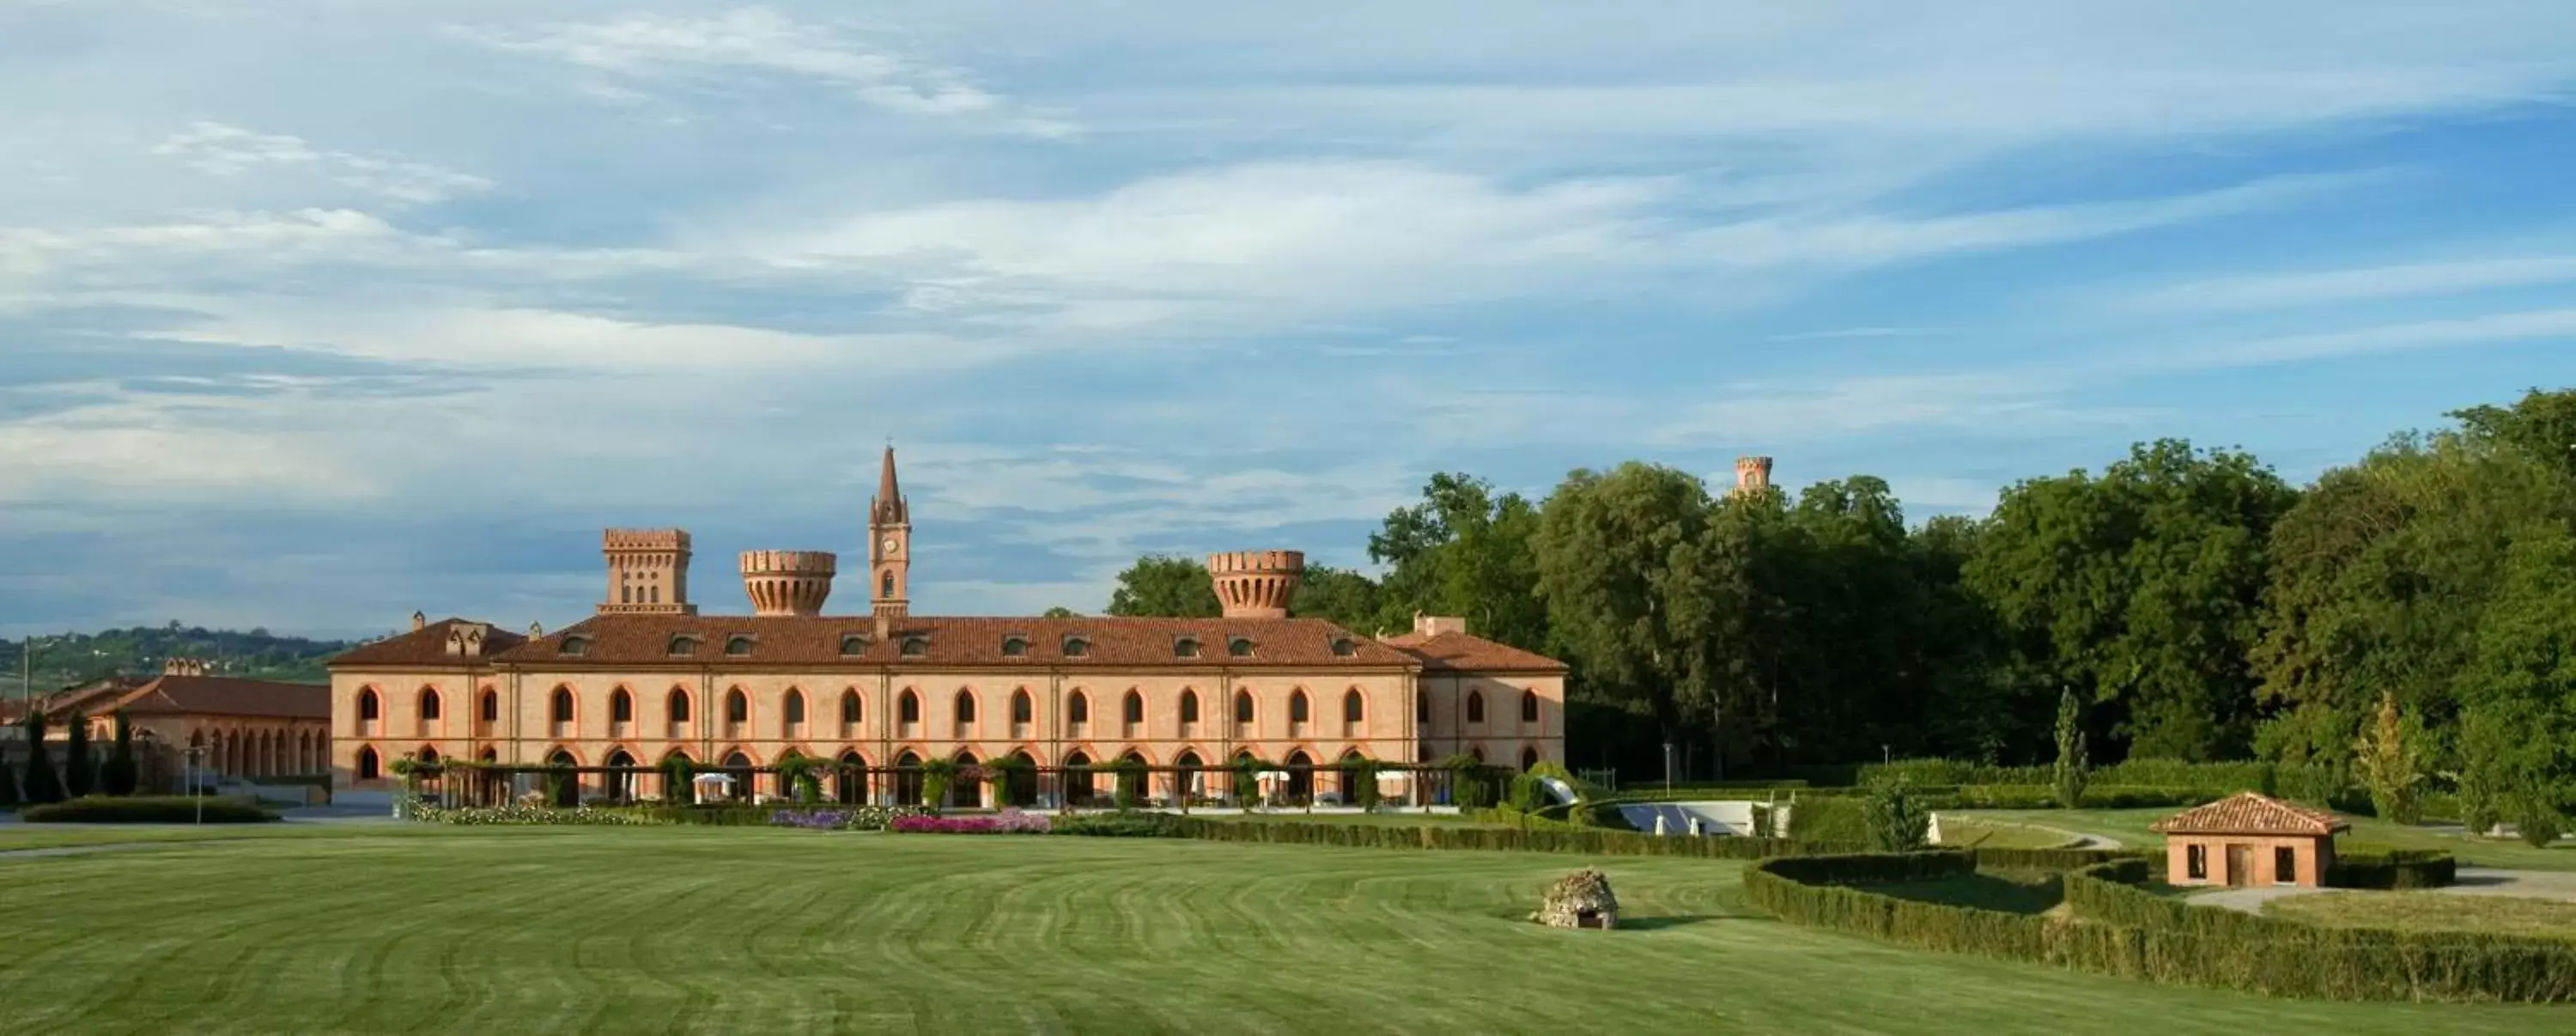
(2195, 604)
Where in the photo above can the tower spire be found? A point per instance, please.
(888, 508)
(889, 545)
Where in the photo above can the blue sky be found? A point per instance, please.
(314, 318)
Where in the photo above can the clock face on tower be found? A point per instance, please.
(887, 545)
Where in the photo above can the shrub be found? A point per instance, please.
(1006, 822)
(1120, 825)
(2537, 821)
(798, 776)
(2071, 761)
(150, 809)
(846, 818)
(79, 774)
(1247, 781)
(677, 774)
(118, 775)
(2393, 869)
(1360, 776)
(1006, 774)
(1472, 784)
(1816, 818)
(936, 777)
(1894, 819)
(1527, 794)
(2389, 754)
(1127, 789)
(526, 814)
(42, 785)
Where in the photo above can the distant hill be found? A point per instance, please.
(66, 659)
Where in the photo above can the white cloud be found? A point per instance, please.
(1801, 414)
(2357, 284)
(649, 46)
(2485, 329)
(222, 150)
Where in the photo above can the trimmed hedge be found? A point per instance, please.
(2393, 869)
(149, 809)
(2119, 929)
(2136, 934)
(1120, 825)
(1448, 836)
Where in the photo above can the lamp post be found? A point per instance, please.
(196, 753)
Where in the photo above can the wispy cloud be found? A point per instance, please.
(2357, 284)
(2487, 329)
(646, 47)
(223, 150)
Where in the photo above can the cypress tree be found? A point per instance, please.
(41, 785)
(2073, 769)
(80, 773)
(8, 786)
(119, 776)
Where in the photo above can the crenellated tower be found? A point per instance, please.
(1752, 474)
(788, 582)
(648, 572)
(1257, 584)
(889, 545)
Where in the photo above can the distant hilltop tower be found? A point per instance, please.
(1257, 584)
(1752, 474)
(648, 572)
(788, 582)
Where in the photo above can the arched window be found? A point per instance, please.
(1297, 707)
(1475, 706)
(1354, 707)
(1343, 648)
(965, 706)
(1186, 647)
(885, 586)
(908, 708)
(915, 647)
(1020, 707)
(621, 707)
(1014, 647)
(369, 767)
(1133, 710)
(795, 707)
(1239, 647)
(1078, 708)
(1243, 706)
(850, 707)
(368, 707)
(1529, 706)
(678, 705)
(1189, 706)
(737, 645)
(428, 703)
(491, 706)
(737, 706)
(621, 782)
(562, 708)
(1529, 759)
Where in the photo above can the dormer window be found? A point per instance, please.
(1343, 648)
(1015, 647)
(1239, 647)
(915, 647)
(575, 647)
(1186, 647)
(1076, 647)
(683, 646)
(737, 645)
(854, 644)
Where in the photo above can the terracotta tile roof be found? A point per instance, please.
(84, 698)
(1113, 642)
(426, 646)
(228, 696)
(2250, 814)
(1462, 652)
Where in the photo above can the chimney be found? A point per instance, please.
(419, 622)
(536, 630)
(466, 639)
(1257, 584)
(1752, 474)
(1435, 625)
(885, 626)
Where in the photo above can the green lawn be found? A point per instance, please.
(1961, 832)
(2130, 827)
(2499, 915)
(758, 930)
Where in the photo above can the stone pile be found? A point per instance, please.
(1579, 900)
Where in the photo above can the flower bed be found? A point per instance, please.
(845, 818)
(1007, 822)
(517, 813)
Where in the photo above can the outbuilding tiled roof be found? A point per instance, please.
(1464, 652)
(1087, 641)
(226, 696)
(426, 646)
(2250, 814)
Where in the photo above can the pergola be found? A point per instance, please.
(465, 782)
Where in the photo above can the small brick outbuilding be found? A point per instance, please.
(2249, 839)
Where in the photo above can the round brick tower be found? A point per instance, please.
(1257, 584)
(788, 582)
(1752, 474)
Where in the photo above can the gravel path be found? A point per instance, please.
(2473, 881)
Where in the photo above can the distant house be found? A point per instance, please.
(242, 728)
(2249, 839)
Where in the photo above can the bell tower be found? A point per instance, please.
(889, 545)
